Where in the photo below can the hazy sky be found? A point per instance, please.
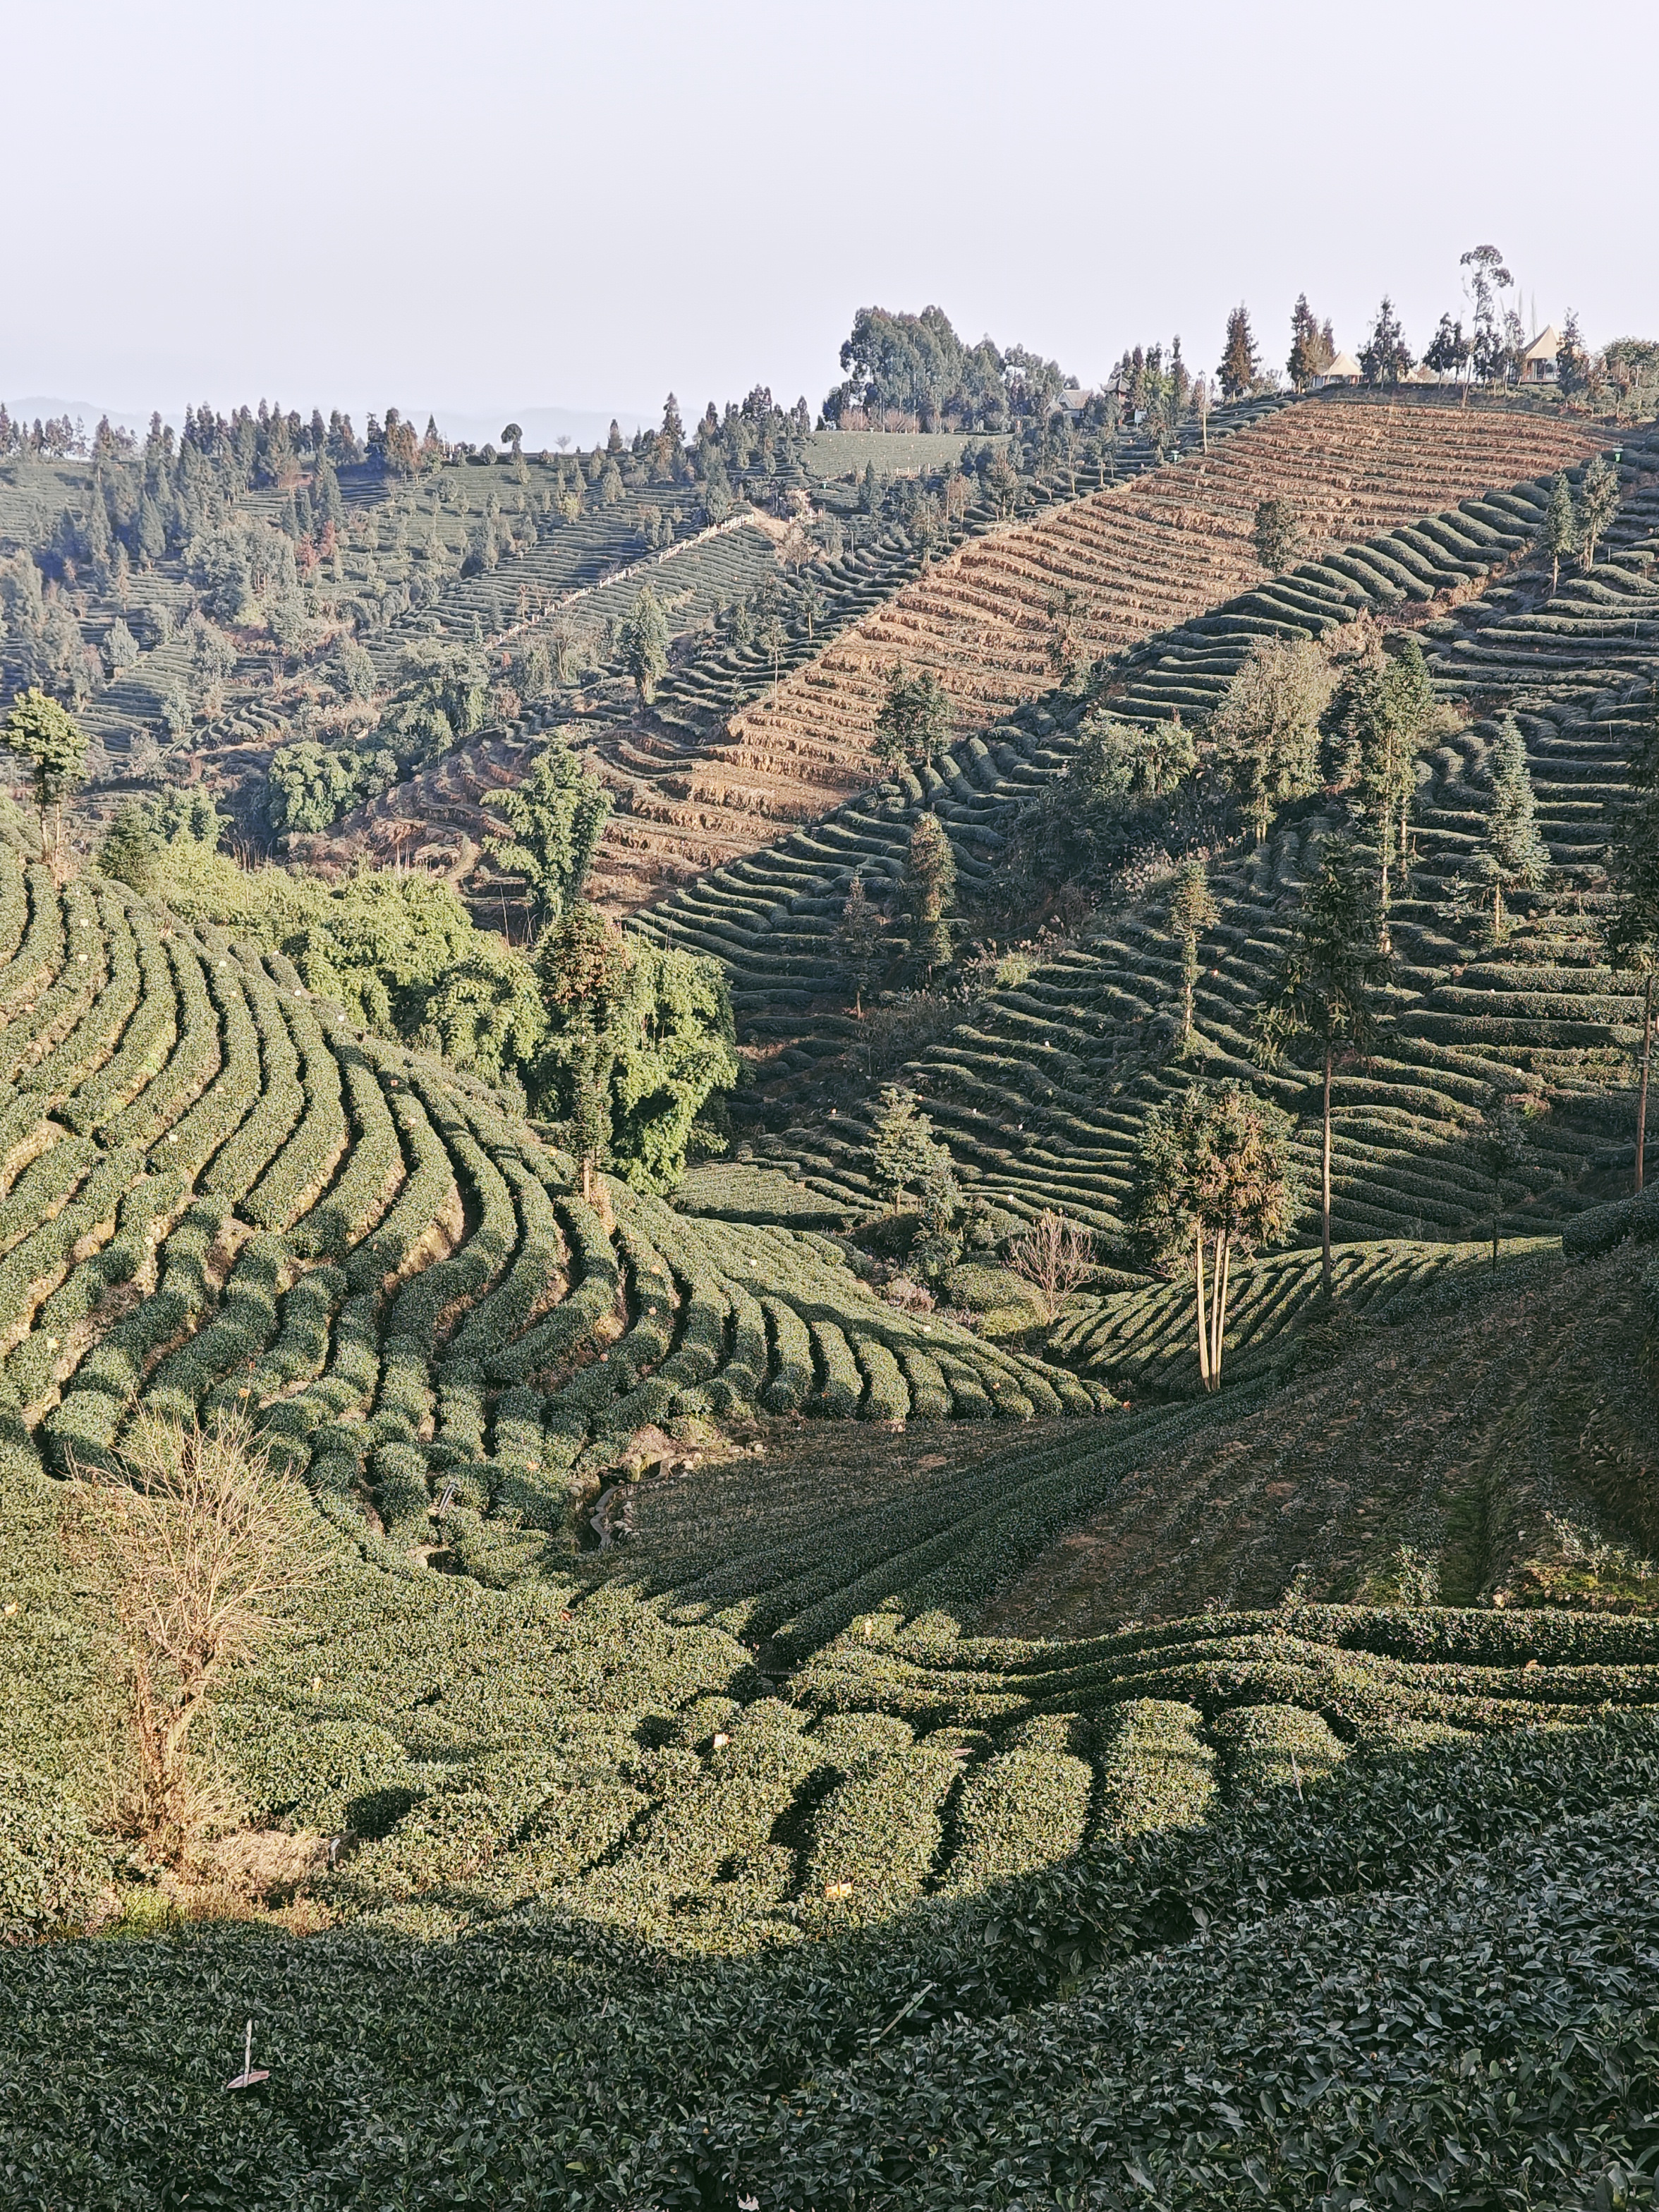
(490, 208)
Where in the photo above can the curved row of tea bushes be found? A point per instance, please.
(258, 1211)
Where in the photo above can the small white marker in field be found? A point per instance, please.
(250, 2075)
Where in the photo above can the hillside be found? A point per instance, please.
(218, 1195)
(755, 1731)
(725, 1861)
(647, 757)
(1039, 1085)
(1140, 558)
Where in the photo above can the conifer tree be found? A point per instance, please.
(645, 644)
(1385, 358)
(1558, 534)
(1277, 533)
(1632, 932)
(904, 1153)
(1191, 911)
(1325, 989)
(1311, 349)
(1512, 854)
(1598, 502)
(858, 941)
(128, 853)
(915, 720)
(1240, 362)
(928, 891)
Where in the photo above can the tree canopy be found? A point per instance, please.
(1266, 728)
(1327, 986)
(1511, 855)
(552, 823)
(645, 643)
(1213, 1172)
(917, 367)
(914, 722)
(639, 1039)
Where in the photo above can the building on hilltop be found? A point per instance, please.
(1342, 368)
(1538, 363)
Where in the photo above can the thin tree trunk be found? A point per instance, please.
(1203, 1333)
(1496, 1201)
(1325, 1184)
(1226, 1269)
(1215, 1309)
(1641, 1101)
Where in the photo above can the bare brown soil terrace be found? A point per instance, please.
(1141, 557)
(1510, 1452)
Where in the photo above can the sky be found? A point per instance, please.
(562, 211)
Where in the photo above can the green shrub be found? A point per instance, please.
(54, 1872)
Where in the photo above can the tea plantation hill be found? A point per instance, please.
(1041, 1090)
(216, 1194)
(1037, 1809)
(1137, 555)
(672, 1873)
(655, 761)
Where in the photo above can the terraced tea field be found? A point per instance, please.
(1141, 557)
(218, 1196)
(748, 1742)
(1041, 1089)
(647, 759)
(804, 1790)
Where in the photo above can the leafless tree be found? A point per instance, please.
(193, 1543)
(1054, 1256)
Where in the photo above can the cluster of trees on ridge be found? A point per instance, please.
(1488, 348)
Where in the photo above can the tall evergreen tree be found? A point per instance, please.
(1598, 502)
(904, 1153)
(928, 891)
(914, 720)
(1191, 911)
(1512, 855)
(645, 643)
(1277, 533)
(1631, 933)
(1325, 989)
(1240, 362)
(858, 942)
(1385, 358)
(1311, 350)
(1558, 534)
(1572, 361)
